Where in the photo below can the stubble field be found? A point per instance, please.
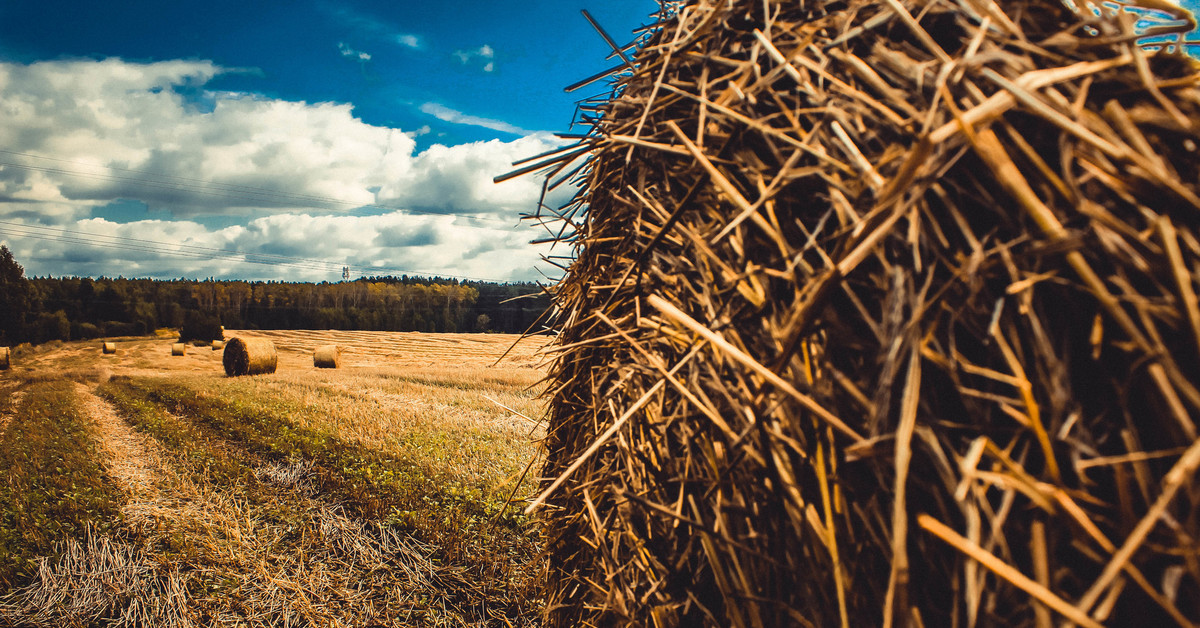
(150, 489)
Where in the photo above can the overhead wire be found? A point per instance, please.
(203, 253)
(276, 258)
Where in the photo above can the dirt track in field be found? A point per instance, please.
(135, 461)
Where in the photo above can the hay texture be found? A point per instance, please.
(249, 356)
(179, 348)
(327, 356)
(217, 345)
(4, 358)
(109, 347)
(880, 313)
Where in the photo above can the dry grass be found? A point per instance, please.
(883, 312)
(460, 422)
(100, 577)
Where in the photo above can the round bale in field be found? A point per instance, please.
(327, 356)
(109, 347)
(249, 356)
(179, 348)
(217, 345)
(3, 358)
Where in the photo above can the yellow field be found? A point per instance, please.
(374, 492)
(146, 356)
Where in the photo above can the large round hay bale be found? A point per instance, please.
(109, 347)
(327, 356)
(4, 358)
(217, 345)
(881, 313)
(179, 348)
(249, 356)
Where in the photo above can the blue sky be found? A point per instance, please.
(505, 62)
(285, 140)
(169, 138)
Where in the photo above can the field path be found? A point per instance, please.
(135, 461)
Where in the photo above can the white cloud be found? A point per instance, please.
(445, 178)
(80, 135)
(347, 51)
(298, 247)
(483, 55)
(114, 122)
(424, 130)
(446, 114)
(369, 25)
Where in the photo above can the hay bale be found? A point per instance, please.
(179, 348)
(327, 356)
(855, 282)
(4, 358)
(249, 356)
(217, 345)
(109, 347)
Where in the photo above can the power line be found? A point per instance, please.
(202, 253)
(283, 259)
(83, 238)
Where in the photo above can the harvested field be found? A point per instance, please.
(405, 350)
(373, 348)
(370, 494)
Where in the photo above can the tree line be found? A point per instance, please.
(41, 309)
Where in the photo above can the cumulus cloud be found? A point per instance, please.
(122, 130)
(459, 178)
(483, 56)
(347, 51)
(446, 114)
(79, 135)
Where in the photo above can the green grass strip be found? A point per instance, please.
(54, 485)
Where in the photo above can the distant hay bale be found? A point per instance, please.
(217, 345)
(327, 357)
(4, 358)
(880, 313)
(249, 356)
(179, 348)
(109, 347)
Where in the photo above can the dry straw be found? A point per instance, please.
(249, 356)
(327, 356)
(217, 345)
(109, 347)
(4, 358)
(179, 348)
(880, 313)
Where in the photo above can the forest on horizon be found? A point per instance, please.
(41, 309)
